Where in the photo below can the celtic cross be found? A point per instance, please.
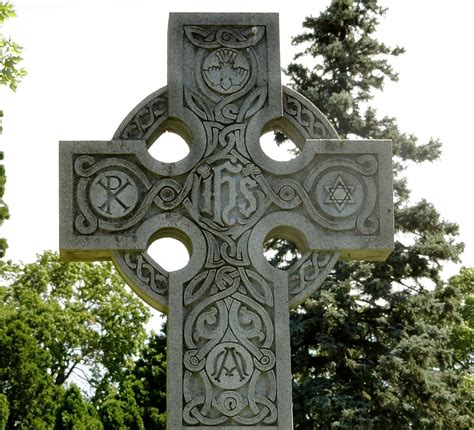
(228, 326)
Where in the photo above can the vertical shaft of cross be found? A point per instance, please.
(228, 328)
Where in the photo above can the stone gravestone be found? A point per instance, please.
(228, 328)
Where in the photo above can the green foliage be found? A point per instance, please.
(76, 413)
(63, 322)
(10, 75)
(10, 52)
(120, 410)
(372, 348)
(4, 412)
(462, 333)
(148, 377)
(140, 402)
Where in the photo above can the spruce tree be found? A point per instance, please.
(371, 348)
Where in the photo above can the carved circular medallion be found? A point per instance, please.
(339, 193)
(230, 403)
(225, 70)
(113, 194)
(229, 365)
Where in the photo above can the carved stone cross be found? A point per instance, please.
(228, 328)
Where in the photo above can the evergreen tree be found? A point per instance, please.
(149, 382)
(371, 348)
(76, 412)
(140, 402)
(462, 333)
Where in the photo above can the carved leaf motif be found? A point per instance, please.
(206, 324)
(201, 37)
(225, 37)
(251, 324)
(198, 105)
(198, 287)
(257, 286)
(252, 104)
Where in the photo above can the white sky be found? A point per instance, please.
(90, 62)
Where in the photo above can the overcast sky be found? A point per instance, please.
(90, 62)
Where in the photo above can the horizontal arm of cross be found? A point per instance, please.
(342, 189)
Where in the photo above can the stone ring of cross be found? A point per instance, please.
(302, 121)
(228, 321)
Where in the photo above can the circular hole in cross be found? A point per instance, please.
(169, 148)
(169, 253)
(278, 146)
(280, 253)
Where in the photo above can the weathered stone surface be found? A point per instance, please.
(228, 331)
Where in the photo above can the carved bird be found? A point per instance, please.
(226, 75)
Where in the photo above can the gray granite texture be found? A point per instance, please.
(228, 329)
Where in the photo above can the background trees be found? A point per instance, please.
(371, 348)
(63, 323)
(379, 345)
(140, 400)
(10, 75)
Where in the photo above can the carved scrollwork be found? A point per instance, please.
(308, 273)
(148, 277)
(142, 121)
(224, 37)
(229, 337)
(312, 123)
(115, 194)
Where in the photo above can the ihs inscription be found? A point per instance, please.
(229, 194)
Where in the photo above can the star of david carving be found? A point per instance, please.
(228, 363)
(340, 194)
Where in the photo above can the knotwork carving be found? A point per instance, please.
(309, 272)
(211, 38)
(229, 336)
(228, 332)
(152, 279)
(225, 193)
(148, 115)
(228, 325)
(312, 123)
